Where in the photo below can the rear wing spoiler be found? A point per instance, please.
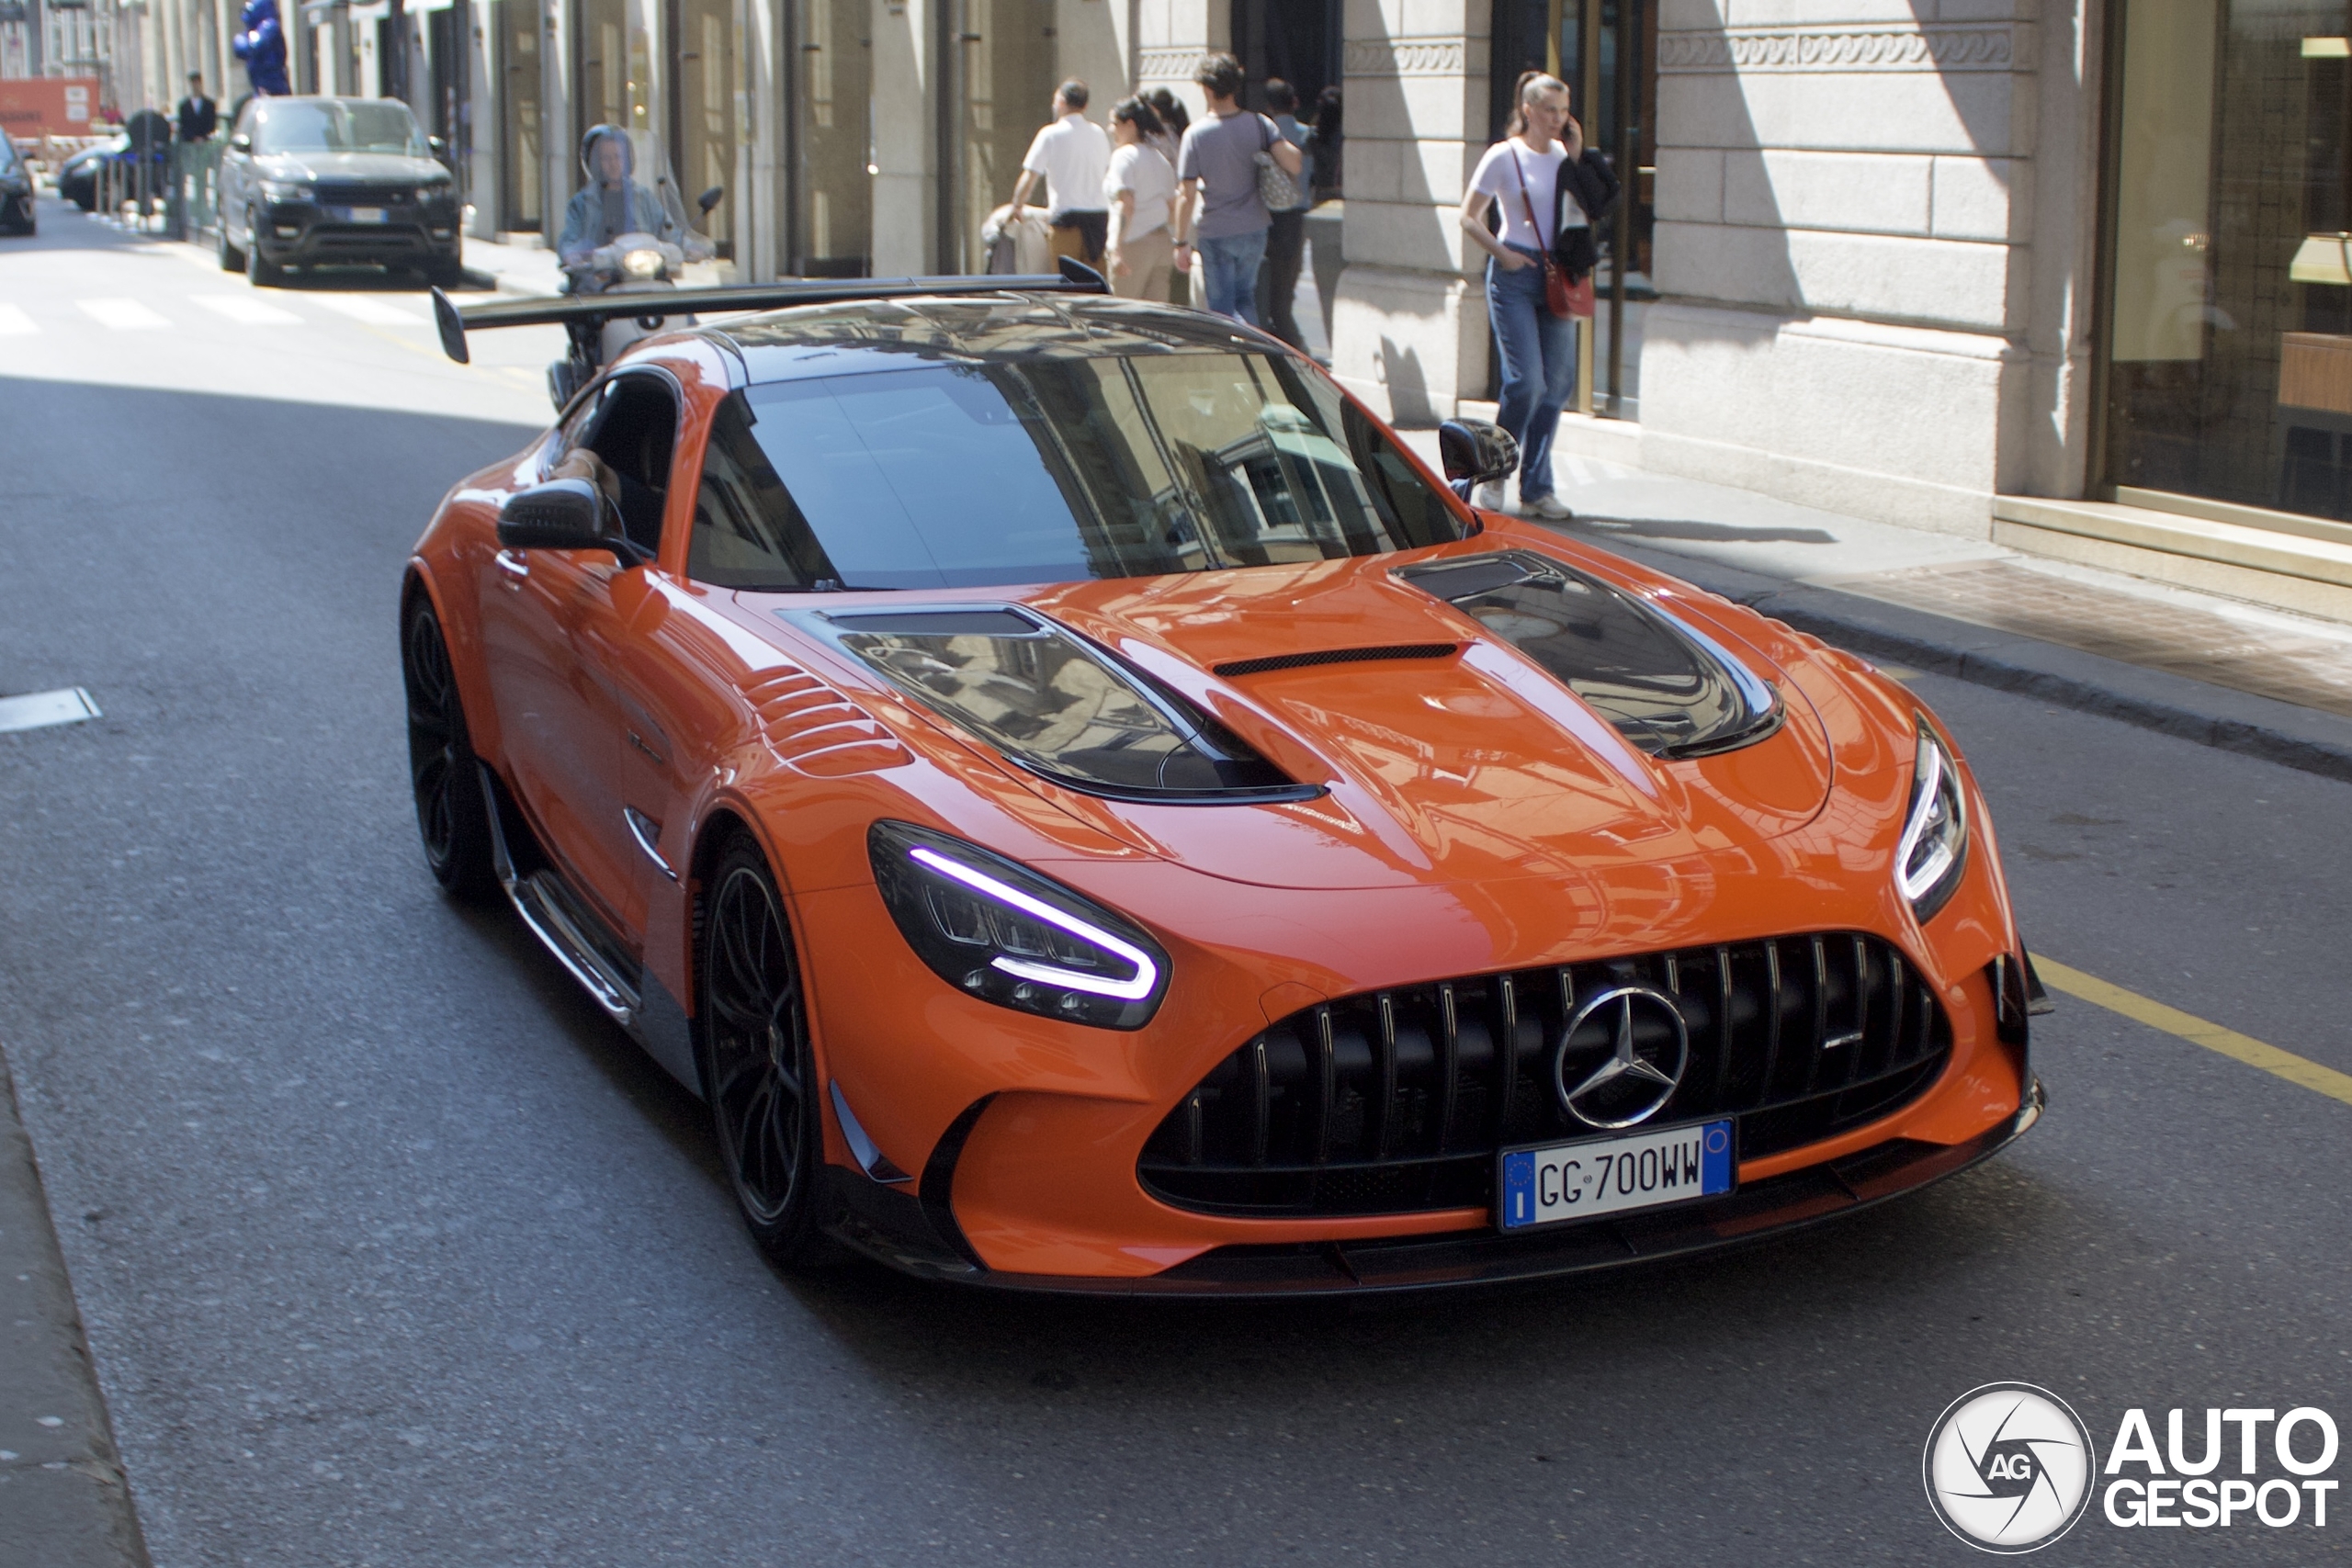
(591, 311)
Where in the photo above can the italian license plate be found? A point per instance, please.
(363, 215)
(1609, 1175)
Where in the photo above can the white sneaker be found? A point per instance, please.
(1550, 506)
(1489, 497)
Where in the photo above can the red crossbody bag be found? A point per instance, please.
(1560, 297)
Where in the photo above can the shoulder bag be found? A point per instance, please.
(1561, 297)
(1275, 187)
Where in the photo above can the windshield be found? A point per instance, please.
(329, 125)
(1049, 470)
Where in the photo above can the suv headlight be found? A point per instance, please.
(1934, 848)
(996, 929)
(288, 190)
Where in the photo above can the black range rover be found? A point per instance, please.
(307, 182)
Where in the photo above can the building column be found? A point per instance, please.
(1169, 37)
(1408, 332)
(1846, 218)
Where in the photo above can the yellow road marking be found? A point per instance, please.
(2196, 1031)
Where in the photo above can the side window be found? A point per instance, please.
(630, 429)
(748, 531)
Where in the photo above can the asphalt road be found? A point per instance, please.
(391, 1251)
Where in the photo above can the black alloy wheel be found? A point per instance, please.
(260, 270)
(758, 1070)
(452, 813)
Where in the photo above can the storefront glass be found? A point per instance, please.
(833, 230)
(1002, 75)
(2229, 343)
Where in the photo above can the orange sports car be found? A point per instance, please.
(1090, 810)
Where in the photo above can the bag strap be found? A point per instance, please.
(1527, 201)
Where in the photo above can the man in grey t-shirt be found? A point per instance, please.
(1220, 160)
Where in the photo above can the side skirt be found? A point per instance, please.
(569, 929)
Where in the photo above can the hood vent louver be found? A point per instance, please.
(1671, 690)
(1234, 667)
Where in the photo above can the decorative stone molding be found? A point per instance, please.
(1988, 47)
(1167, 65)
(1405, 56)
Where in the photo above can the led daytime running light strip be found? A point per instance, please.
(1147, 972)
(1931, 781)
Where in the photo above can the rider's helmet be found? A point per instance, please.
(588, 150)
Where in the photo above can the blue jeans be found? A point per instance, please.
(1230, 268)
(1539, 355)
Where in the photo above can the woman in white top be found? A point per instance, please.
(1138, 190)
(1538, 348)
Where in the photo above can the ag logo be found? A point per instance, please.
(2009, 1467)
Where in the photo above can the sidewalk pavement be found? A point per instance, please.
(2232, 675)
(63, 1501)
(511, 269)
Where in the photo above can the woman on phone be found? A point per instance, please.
(1138, 190)
(1538, 349)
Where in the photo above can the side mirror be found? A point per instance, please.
(440, 147)
(710, 198)
(241, 143)
(1475, 452)
(561, 515)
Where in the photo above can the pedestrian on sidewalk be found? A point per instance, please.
(1286, 227)
(1322, 147)
(1174, 121)
(1071, 155)
(1525, 172)
(1219, 206)
(1140, 189)
(199, 116)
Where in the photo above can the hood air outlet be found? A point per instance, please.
(1335, 656)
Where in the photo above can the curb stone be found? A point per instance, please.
(2308, 739)
(64, 1502)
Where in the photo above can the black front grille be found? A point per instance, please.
(1396, 1102)
(366, 195)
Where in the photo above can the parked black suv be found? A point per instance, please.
(311, 181)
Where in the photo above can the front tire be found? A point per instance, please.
(452, 812)
(232, 258)
(260, 270)
(758, 1069)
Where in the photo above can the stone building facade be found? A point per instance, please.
(1919, 260)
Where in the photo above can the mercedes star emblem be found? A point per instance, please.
(1643, 1068)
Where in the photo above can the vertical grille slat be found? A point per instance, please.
(1385, 1108)
(1505, 1053)
(1396, 1102)
(1449, 1062)
(1326, 1086)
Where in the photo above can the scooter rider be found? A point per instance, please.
(611, 204)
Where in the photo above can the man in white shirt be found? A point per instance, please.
(1071, 155)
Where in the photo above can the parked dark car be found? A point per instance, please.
(313, 181)
(77, 178)
(15, 191)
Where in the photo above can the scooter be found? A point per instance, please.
(631, 264)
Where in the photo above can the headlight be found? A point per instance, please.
(642, 263)
(287, 190)
(994, 928)
(430, 193)
(1934, 848)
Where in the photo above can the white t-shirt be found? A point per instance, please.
(1142, 170)
(1497, 176)
(1072, 154)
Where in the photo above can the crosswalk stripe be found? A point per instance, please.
(375, 312)
(15, 322)
(248, 310)
(122, 315)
